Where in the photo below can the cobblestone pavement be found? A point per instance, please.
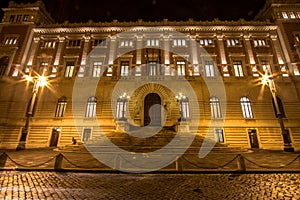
(58, 185)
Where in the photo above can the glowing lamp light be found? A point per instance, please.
(42, 81)
(265, 79)
(28, 78)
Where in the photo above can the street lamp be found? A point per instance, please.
(122, 104)
(266, 80)
(183, 106)
(38, 81)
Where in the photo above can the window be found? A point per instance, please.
(49, 44)
(91, 107)
(219, 136)
(100, 43)
(266, 67)
(43, 68)
(121, 107)
(246, 107)
(184, 109)
(87, 132)
(74, 43)
(280, 107)
(215, 108)
(260, 42)
(61, 107)
(179, 42)
(10, 41)
(124, 68)
(12, 18)
(292, 15)
(25, 18)
(153, 42)
(297, 37)
(238, 69)
(97, 69)
(126, 43)
(19, 17)
(285, 15)
(233, 42)
(152, 66)
(3, 65)
(69, 69)
(206, 42)
(209, 69)
(180, 68)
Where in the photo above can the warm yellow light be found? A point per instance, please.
(28, 78)
(265, 79)
(42, 81)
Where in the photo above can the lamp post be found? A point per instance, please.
(38, 81)
(181, 98)
(123, 99)
(266, 80)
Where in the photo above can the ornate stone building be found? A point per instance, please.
(205, 75)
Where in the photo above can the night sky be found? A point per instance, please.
(148, 10)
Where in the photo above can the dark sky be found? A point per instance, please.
(148, 10)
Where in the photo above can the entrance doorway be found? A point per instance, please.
(152, 110)
(253, 138)
(54, 137)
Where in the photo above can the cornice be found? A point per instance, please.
(165, 25)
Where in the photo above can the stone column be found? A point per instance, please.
(222, 54)
(59, 50)
(33, 50)
(85, 49)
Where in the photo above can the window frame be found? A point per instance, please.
(246, 106)
(91, 107)
(61, 107)
(215, 107)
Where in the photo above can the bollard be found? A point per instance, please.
(179, 164)
(58, 162)
(3, 159)
(241, 163)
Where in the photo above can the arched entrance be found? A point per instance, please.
(152, 110)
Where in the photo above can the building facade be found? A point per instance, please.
(222, 63)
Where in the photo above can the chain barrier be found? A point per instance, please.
(4, 156)
(269, 167)
(29, 166)
(218, 167)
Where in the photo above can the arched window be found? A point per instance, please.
(280, 106)
(61, 107)
(215, 107)
(91, 107)
(246, 107)
(3, 65)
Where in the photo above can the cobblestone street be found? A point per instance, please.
(57, 185)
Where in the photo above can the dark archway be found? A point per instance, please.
(153, 113)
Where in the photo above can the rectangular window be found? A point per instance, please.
(53, 72)
(238, 69)
(209, 69)
(19, 17)
(97, 69)
(49, 44)
(179, 42)
(180, 68)
(206, 42)
(292, 15)
(126, 43)
(100, 43)
(74, 43)
(69, 69)
(219, 135)
(10, 41)
(233, 42)
(61, 107)
(260, 42)
(109, 71)
(124, 68)
(25, 18)
(12, 18)
(285, 15)
(43, 68)
(153, 42)
(87, 132)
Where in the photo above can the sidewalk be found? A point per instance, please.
(78, 159)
